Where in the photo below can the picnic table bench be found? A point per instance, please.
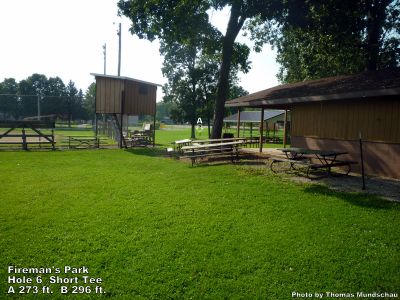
(247, 141)
(311, 160)
(180, 143)
(82, 142)
(227, 149)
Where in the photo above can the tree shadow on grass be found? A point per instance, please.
(147, 151)
(358, 199)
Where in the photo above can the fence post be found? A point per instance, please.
(24, 144)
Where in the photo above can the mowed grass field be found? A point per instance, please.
(154, 228)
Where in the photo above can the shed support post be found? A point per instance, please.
(121, 137)
(285, 130)
(96, 126)
(238, 124)
(261, 129)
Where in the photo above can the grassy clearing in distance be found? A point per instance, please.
(164, 137)
(156, 228)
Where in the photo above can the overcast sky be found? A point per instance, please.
(65, 37)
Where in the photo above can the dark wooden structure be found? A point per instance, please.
(333, 113)
(124, 96)
(24, 138)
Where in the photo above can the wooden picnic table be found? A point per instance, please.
(212, 150)
(321, 155)
(326, 160)
(76, 141)
(226, 140)
(180, 143)
(247, 141)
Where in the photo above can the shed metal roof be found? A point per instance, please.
(125, 78)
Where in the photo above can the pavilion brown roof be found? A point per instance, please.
(366, 84)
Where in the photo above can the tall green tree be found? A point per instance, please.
(175, 21)
(331, 37)
(31, 91)
(72, 100)
(9, 102)
(89, 101)
(186, 71)
(54, 101)
(192, 79)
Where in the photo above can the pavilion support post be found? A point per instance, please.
(362, 161)
(285, 129)
(238, 124)
(261, 129)
(127, 125)
(154, 130)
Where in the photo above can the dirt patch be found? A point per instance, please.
(383, 187)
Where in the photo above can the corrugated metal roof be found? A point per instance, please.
(253, 116)
(124, 78)
(367, 84)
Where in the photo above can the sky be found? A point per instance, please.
(65, 38)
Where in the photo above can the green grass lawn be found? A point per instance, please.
(155, 228)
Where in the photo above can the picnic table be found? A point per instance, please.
(225, 140)
(199, 151)
(83, 142)
(140, 139)
(180, 143)
(247, 141)
(311, 160)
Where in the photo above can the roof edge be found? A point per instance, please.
(125, 78)
(293, 100)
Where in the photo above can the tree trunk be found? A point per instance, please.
(209, 126)
(193, 131)
(375, 21)
(234, 25)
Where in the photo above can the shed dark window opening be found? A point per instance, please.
(143, 90)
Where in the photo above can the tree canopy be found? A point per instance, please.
(314, 38)
(177, 21)
(334, 37)
(20, 99)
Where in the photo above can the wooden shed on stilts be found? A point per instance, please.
(121, 97)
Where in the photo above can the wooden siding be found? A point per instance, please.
(108, 95)
(137, 101)
(140, 98)
(378, 120)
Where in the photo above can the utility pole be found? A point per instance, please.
(105, 57)
(119, 50)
